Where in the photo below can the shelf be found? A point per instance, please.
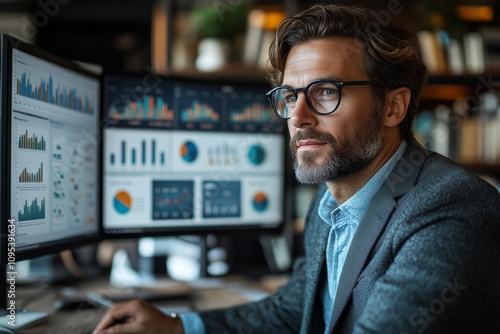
(482, 168)
(486, 79)
(445, 92)
(231, 72)
(441, 88)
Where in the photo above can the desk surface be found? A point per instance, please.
(203, 295)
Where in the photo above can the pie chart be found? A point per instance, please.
(189, 151)
(122, 202)
(256, 154)
(260, 201)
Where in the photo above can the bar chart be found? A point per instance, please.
(32, 211)
(256, 112)
(31, 177)
(133, 99)
(248, 111)
(61, 95)
(133, 150)
(138, 154)
(32, 142)
(47, 88)
(149, 107)
(199, 112)
(199, 107)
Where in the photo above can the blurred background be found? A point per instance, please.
(459, 40)
(167, 34)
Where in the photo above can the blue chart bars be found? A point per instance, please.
(138, 155)
(33, 211)
(63, 97)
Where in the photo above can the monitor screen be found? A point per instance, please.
(189, 156)
(53, 177)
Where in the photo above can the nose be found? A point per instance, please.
(302, 116)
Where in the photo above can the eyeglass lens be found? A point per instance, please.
(322, 96)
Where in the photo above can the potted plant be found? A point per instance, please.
(218, 28)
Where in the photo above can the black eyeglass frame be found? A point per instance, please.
(338, 84)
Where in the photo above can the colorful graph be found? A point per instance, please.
(260, 201)
(32, 143)
(147, 108)
(189, 151)
(173, 200)
(256, 112)
(122, 202)
(137, 155)
(26, 177)
(199, 112)
(32, 211)
(60, 96)
(256, 154)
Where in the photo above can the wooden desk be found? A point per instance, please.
(203, 295)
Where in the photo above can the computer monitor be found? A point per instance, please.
(50, 154)
(185, 156)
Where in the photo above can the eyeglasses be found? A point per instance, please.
(322, 96)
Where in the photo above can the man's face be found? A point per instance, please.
(328, 147)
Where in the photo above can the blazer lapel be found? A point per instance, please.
(312, 314)
(401, 179)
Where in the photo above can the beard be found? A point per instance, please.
(345, 157)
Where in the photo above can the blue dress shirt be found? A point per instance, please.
(344, 220)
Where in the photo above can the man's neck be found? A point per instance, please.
(344, 188)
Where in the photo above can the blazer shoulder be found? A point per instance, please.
(445, 177)
(446, 191)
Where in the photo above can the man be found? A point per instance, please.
(397, 239)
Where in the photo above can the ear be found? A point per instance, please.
(396, 105)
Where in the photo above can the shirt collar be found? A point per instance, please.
(357, 204)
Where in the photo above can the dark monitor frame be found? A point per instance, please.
(246, 229)
(9, 43)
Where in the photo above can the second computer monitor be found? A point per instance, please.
(50, 158)
(189, 156)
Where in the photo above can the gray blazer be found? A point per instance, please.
(424, 259)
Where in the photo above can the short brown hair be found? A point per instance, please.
(390, 52)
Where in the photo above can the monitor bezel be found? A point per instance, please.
(8, 44)
(243, 229)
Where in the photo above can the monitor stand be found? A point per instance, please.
(11, 316)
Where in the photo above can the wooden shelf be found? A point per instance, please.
(231, 72)
(482, 168)
(466, 79)
(445, 92)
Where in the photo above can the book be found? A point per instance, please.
(254, 33)
(474, 52)
(431, 51)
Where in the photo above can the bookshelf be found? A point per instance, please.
(459, 117)
(462, 126)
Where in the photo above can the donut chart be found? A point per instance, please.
(260, 201)
(256, 154)
(122, 202)
(189, 151)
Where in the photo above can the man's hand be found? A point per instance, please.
(138, 316)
